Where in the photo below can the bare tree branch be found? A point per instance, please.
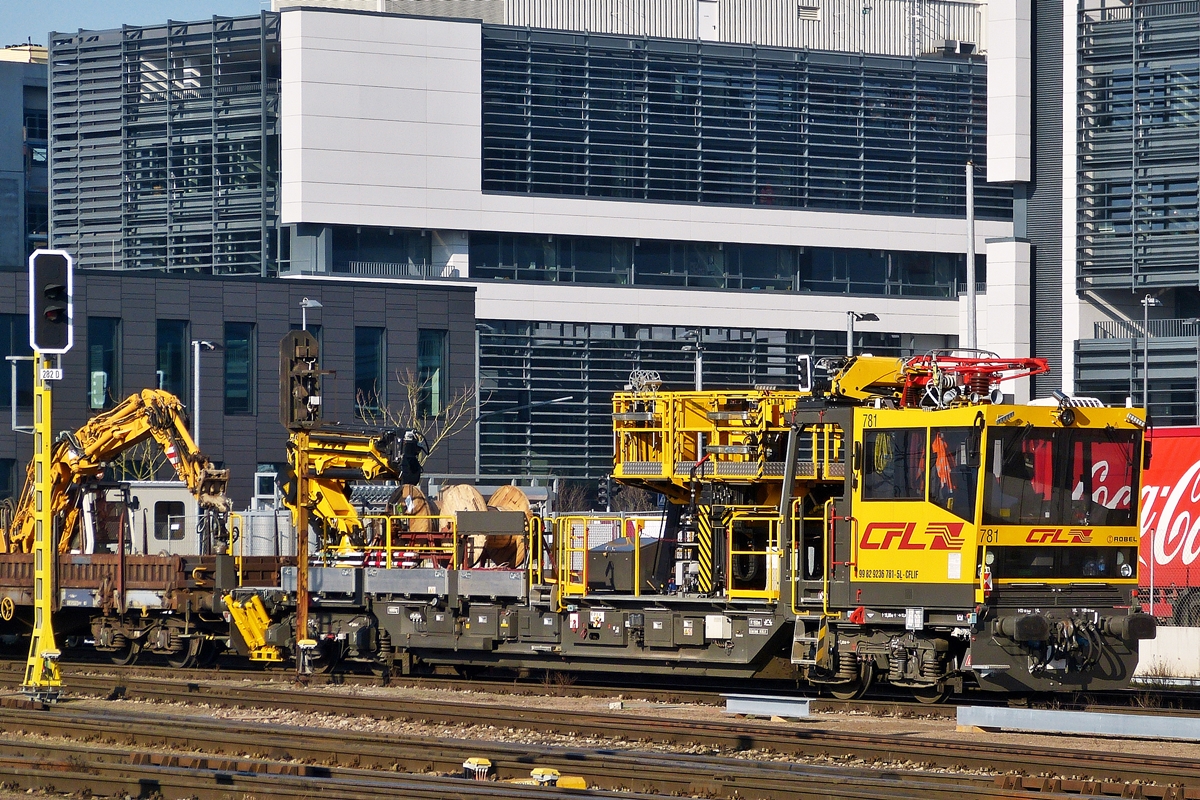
(144, 461)
(632, 499)
(455, 416)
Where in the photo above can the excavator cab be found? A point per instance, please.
(104, 514)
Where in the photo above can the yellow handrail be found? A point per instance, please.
(772, 554)
(234, 516)
(826, 521)
(444, 525)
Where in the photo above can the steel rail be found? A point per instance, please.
(729, 736)
(356, 754)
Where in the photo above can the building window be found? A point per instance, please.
(369, 371)
(718, 265)
(14, 341)
(104, 362)
(172, 356)
(239, 368)
(366, 250)
(37, 222)
(36, 123)
(8, 474)
(431, 371)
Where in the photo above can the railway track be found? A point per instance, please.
(170, 753)
(1163, 702)
(505, 686)
(347, 757)
(721, 736)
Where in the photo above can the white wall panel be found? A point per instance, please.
(385, 130)
(1009, 93)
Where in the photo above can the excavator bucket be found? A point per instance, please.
(211, 491)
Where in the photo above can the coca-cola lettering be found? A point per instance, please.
(1173, 524)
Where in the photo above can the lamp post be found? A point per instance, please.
(1147, 302)
(851, 318)
(305, 305)
(972, 325)
(197, 346)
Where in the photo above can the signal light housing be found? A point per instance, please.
(51, 294)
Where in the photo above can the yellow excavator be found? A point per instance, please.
(80, 458)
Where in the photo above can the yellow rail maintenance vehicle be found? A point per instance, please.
(930, 535)
(895, 523)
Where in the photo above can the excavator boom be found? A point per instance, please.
(82, 455)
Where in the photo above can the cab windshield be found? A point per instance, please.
(1060, 476)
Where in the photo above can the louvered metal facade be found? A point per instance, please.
(1111, 369)
(1139, 160)
(164, 147)
(689, 122)
(547, 386)
(1137, 177)
(883, 27)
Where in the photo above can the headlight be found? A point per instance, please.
(990, 558)
(1126, 570)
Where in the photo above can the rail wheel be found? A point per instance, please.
(209, 652)
(127, 654)
(931, 695)
(858, 688)
(189, 656)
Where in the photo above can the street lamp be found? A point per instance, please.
(305, 305)
(1147, 302)
(197, 346)
(851, 318)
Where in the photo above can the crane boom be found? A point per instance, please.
(330, 458)
(82, 455)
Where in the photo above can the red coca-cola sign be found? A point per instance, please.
(1171, 509)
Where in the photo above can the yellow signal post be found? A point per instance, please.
(51, 320)
(43, 681)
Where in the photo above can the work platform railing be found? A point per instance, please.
(738, 436)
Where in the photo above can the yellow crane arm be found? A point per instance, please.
(329, 459)
(82, 456)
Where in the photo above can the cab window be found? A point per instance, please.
(168, 520)
(894, 464)
(1052, 476)
(954, 477)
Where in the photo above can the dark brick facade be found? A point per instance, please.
(243, 442)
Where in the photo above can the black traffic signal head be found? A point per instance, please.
(299, 381)
(50, 296)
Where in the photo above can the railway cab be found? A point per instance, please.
(917, 530)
